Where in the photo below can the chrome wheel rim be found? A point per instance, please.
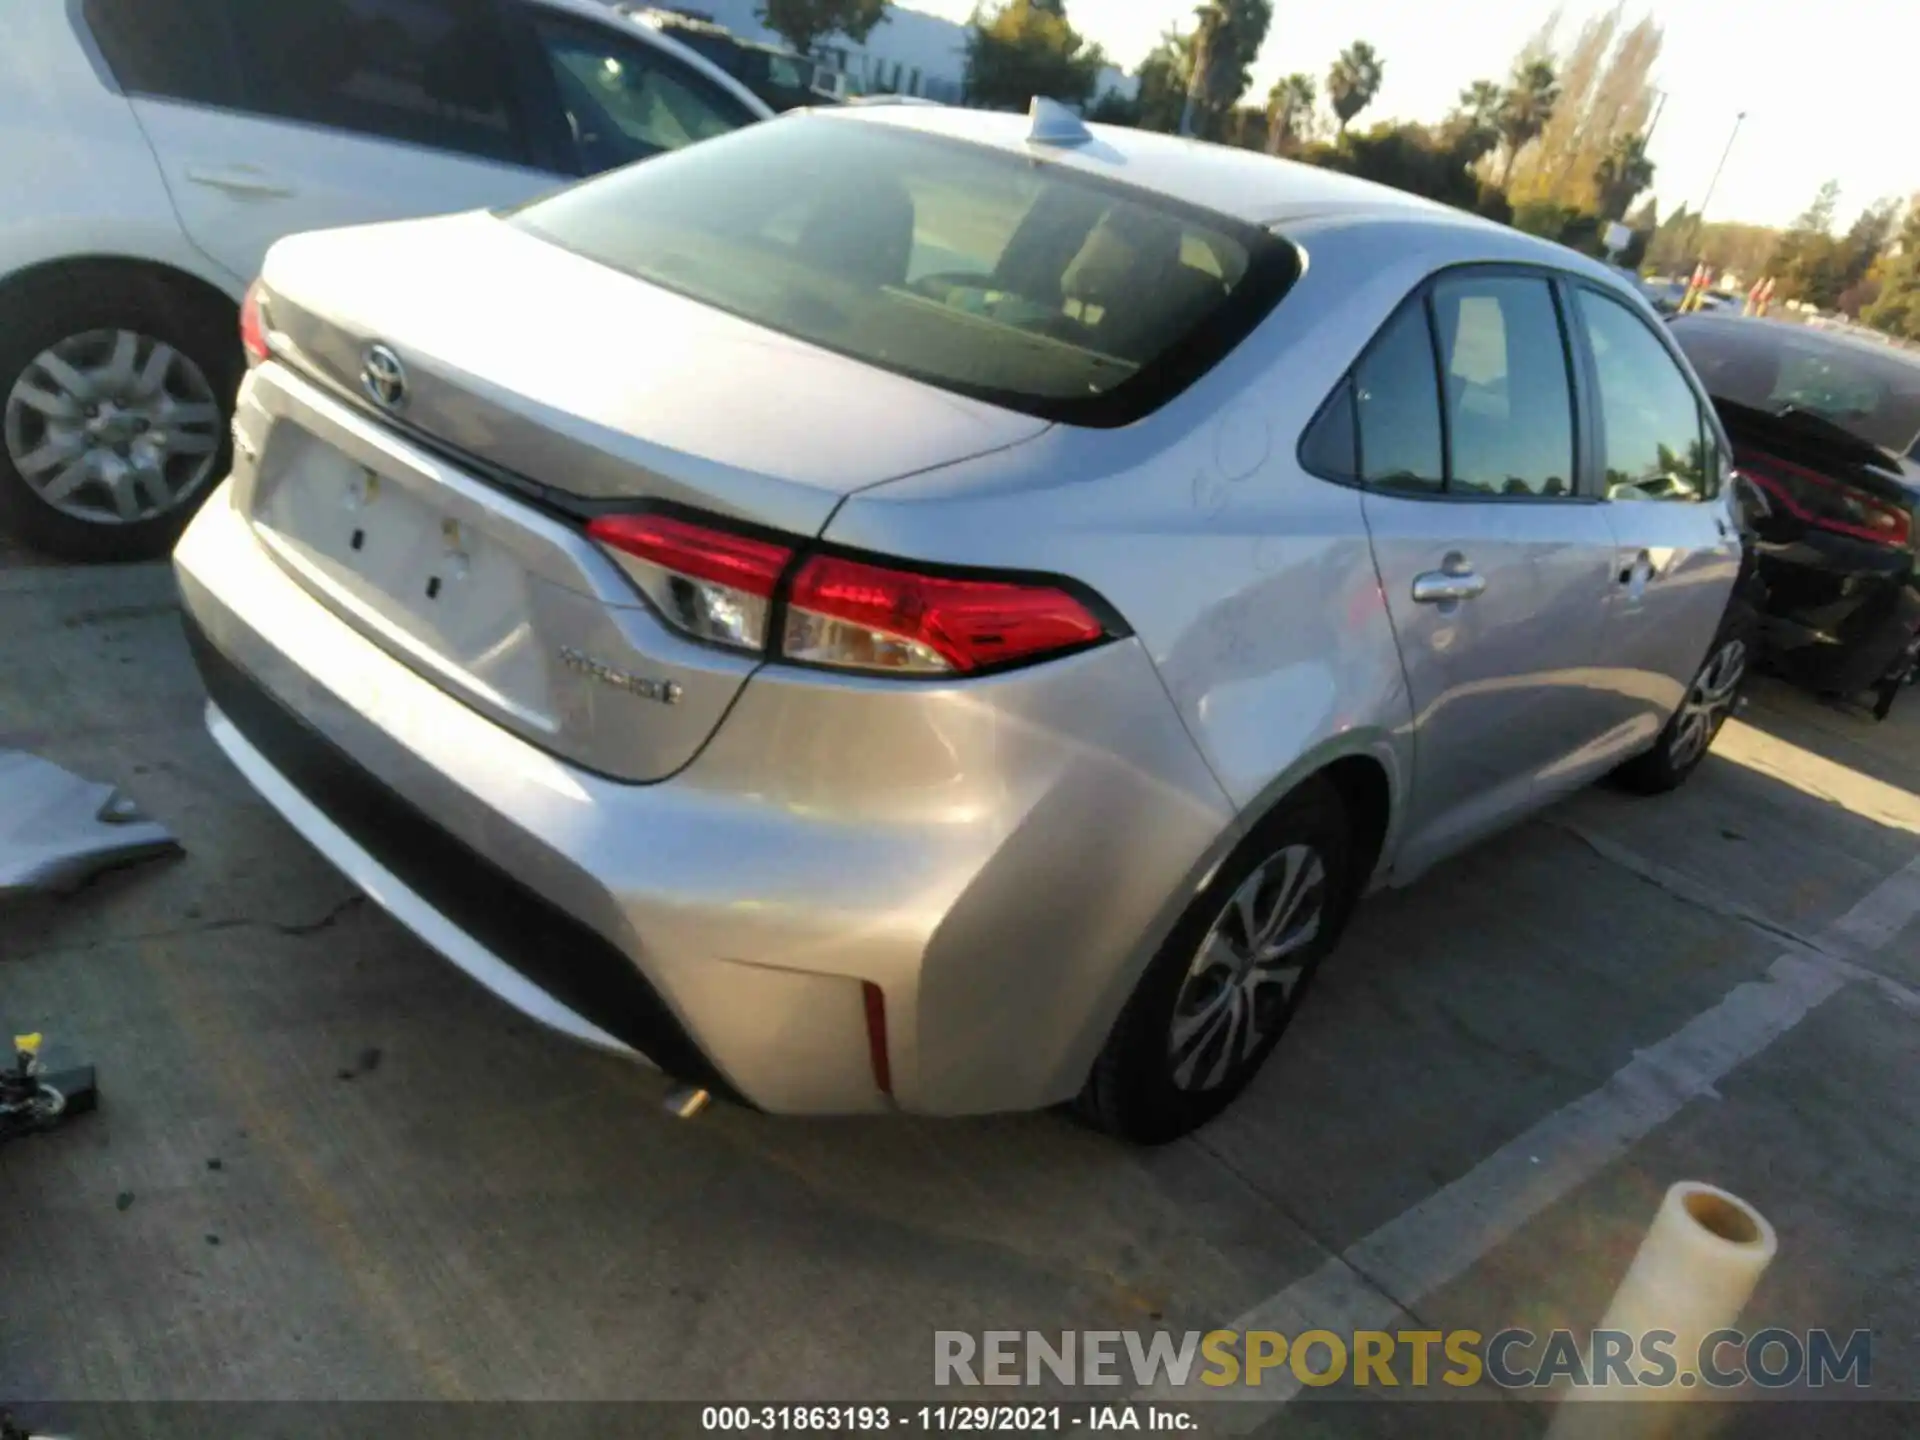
(1708, 703)
(1246, 974)
(112, 427)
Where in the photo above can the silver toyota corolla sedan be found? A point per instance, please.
(911, 608)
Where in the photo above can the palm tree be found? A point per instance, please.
(1476, 119)
(1623, 172)
(1225, 43)
(1353, 81)
(1289, 105)
(1526, 109)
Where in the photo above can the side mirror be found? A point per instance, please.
(1750, 504)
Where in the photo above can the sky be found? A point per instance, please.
(1831, 88)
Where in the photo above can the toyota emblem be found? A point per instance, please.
(383, 377)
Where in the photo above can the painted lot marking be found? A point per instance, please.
(1368, 1286)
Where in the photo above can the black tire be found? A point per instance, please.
(1133, 1091)
(36, 317)
(1673, 758)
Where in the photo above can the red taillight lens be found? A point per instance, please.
(253, 326)
(857, 616)
(1830, 504)
(712, 584)
(719, 586)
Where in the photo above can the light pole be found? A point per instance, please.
(1646, 136)
(1700, 218)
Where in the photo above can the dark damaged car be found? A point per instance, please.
(1826, 428)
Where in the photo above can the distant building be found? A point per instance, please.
(908, 53)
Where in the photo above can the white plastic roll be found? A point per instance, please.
(1693, 1274)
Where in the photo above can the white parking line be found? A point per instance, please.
(1438, 1240)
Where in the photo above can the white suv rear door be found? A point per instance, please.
(272, 118)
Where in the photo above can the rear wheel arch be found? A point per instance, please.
(168, 288)
(1353, 793)
(1366, 790)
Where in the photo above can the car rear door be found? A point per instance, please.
(1677, 544)
(272, 118)
(1494, 564)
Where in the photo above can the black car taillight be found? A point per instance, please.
(1827, 503)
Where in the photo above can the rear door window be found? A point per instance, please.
(1025, 283)
(426, 72)
(172, 49)
(1399, 407)
(1652, 434)
(1509, 398)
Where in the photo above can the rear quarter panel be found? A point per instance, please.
(1250, 583)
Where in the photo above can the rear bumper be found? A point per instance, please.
(529, 952)
(1832, 624)
(998, 862)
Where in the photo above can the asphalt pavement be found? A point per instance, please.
(328, 1167)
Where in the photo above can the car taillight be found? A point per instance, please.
(712, 584)
(721, 586)
(253, 326)
(857, 616)
(1830, 504)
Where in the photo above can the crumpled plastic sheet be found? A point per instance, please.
(57, 830)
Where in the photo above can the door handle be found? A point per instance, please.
(243, 181)
(1454, 580)
(1639, 572)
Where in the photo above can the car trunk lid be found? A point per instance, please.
(445, 520)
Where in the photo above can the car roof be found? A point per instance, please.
(1762, 331)
(1260, 189)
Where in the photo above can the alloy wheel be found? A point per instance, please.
(1246, 976)
(1707, 704)
(112, 427)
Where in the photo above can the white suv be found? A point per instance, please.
(151, 151)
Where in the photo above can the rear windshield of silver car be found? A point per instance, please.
(1010, 278)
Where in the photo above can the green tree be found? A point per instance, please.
(1289, 112)
(1606, 93)
(1623, 172)
(1353, 81)
(1645, 224)
(1897, 308)
(1163, 79)
(1417, 158)
(1808, 262)
(803, 23)
(1226, 42)
(1524, 112)
(1027, 48)
(1866, 240)
(1476, 119)
(1114, 107)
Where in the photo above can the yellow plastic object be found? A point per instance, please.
(27, 1044)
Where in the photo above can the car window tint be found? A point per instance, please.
(625, 100)
(1033, 286)
(1328, 448)
(1398, 405)
(427, 72)
(1509, 400)
(1650, 426)
(175, 49)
